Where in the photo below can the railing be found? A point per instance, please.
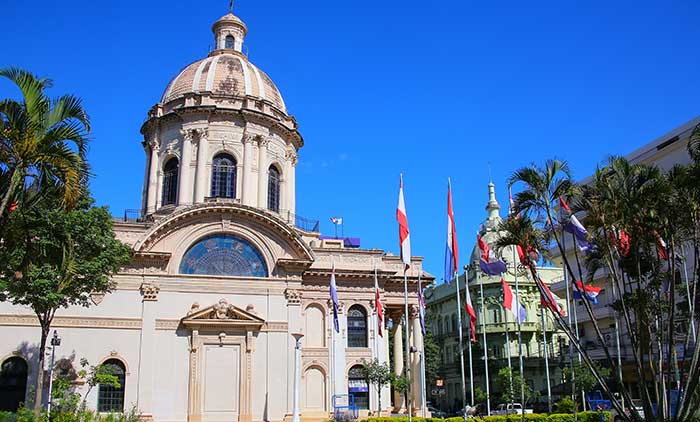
(306, 224)
(131, 215)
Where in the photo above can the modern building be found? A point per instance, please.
(663, 152)
(441, 316)
(200, 324)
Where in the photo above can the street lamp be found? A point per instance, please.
(55, 342)
(297, 364)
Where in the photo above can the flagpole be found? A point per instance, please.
(483, 331)
(332, 316)
(520, 340)
(687, 288)
(617, 345)
(421, 352)
(510, 363)
(407, 352)
(571, 304)
(467, 299)
(455, 277)
(546, 361)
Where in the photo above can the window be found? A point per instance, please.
(455, 326)
(109, 397)
(170, 182)
(223, 176)
(273, 189)
(13, 383)
(358, 387)
(229, 42)
(495, 314)
(357, 326)
(223, 254)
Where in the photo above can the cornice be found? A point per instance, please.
(73, 322)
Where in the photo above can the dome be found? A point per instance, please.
(226, 73)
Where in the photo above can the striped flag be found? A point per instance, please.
(550, 300)
(378, 304)
(404, 235)
(470, 310)
(334, 298)
(421, 306)
(451, 254)
(512, 303)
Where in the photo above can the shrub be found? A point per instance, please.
(565, 405)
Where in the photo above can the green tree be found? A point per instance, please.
(585, 380)
(378, 374)
(432, 358)
(43, 142)
(509, 394)
(51, 258)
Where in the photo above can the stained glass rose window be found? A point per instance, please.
(223, 254)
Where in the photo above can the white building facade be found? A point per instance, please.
(223, 273)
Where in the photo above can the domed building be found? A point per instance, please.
(200, 324)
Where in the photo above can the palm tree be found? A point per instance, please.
(43, 142)
(542, 189)
(694, 145)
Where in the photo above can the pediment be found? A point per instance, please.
(221, 314)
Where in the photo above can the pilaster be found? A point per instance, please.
(147, 350)
(184, 196)
(200, 176)
(262, 172)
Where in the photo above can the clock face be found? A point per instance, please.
(223, 254)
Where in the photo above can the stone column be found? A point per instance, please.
(291, 185)
(247, 197)
(262, 172)
(399, 402)
(153, 178)
(416, 373)
(200, 175)
(287, 192)
(147, 351)
(184, 196)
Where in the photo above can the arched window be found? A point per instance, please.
(229, 42)
(109, 397)
(273, 189)
(223, 176)
(357, 326)
(455, 326)
(358, 387)
(13, 383)
(495, 314)
(223, 254)
(170, 181)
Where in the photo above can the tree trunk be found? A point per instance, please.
(39, 394)
(379, 396)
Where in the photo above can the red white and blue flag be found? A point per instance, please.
(334, 299)
(488, 261)
(421, 306)
(470, 311)
(451, 254)
(550, 300)
(589, 292)
(404, 234)
(378, 304)
(511, 303)
(661, 246)
(572, 225)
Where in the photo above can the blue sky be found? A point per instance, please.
(382, 87)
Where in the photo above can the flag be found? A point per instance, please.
(589, 292)
(661, 246)
(621, 240)
(451, 255)
(511, 204)
(334, 298)
(421, 306)
(488, 261)
(571, 224)
(378, 304)
(470, 309)
(531, 257)
(550, 300)
(337, 220)
(404, 235)
(512, 303)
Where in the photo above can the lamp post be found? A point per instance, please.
(297, 364)
(55, 342)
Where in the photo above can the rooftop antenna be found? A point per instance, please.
(230, 6)
(490, 179)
